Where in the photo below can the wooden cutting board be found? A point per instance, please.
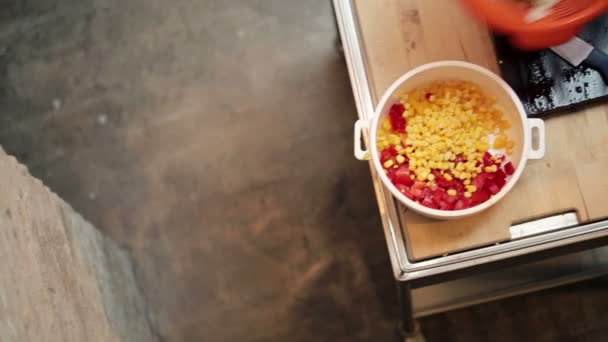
(399, 35)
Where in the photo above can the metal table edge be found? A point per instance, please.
(356, 64)
(403, 268)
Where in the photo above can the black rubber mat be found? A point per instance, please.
(547, 84)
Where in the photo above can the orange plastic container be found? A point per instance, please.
(564, 21)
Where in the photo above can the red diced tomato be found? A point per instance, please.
(509, 169)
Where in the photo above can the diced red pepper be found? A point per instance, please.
(391, 174)
(460, 159)
(428, 202)
(500, 174)
(427, 96)
(487, 159)
(480, 196)
(509, 169)
(408, 193)
(450, 199)
(397, 109)
(426, 192)
(444, 205)
(459, 205)
(398, 122)
(459, 187)
(480, 180)
(441, 181)
(387, 153)
(417, 189)
(438, 195)
(500, 182)
(402, 175)
(493, 188)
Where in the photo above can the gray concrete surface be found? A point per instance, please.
(213, 139)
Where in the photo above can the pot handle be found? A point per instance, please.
(539, 152)
(360, 153)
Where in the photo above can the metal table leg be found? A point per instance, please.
(408, 328)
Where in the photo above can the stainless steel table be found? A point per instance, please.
(541, 254)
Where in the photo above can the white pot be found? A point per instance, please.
(520, 131)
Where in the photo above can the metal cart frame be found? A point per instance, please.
(546, 238)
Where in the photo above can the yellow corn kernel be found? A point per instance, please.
(452, 192)
(471, 188)
(467, 182)
(500, 142)
(504, 124)
(492, 168)
(394, 139)
(400, 159)
(460, 167)
(430, 177)
(448, 177)
(422, 173)
(388, 163)
(386, 124)
(483, 146)
(467, 194)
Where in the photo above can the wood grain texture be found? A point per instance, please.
(60, 279)
(399, 35)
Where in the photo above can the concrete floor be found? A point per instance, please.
(213, 140)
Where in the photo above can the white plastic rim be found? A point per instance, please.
(456, 70)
